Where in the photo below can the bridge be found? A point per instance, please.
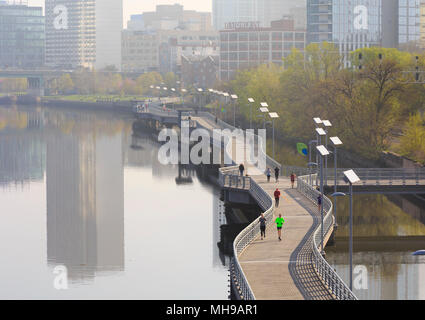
(295, 267)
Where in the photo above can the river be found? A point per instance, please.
(82, 197)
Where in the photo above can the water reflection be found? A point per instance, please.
(22, 149)
(100, 203)
(390, 275)
(85, 203)
(387, 230)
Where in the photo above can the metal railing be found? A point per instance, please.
(383, 176)
(249, 234)
(328, 275)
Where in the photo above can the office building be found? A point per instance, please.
(248, 45)
(350, 25)
(161, 50)
(83, 33)
(21, 36)
(171, 17)
(261, 11)
(227, 11)
(422, 27)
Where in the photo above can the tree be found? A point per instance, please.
(65, 84)
(412, 143)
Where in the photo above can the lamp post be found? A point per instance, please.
(336, 142)
(319, 133)
(184, 91)
(264, 110)
(317, 122)
(351, 178)
(234, 98)
(251, 102)
(274, 116)
(323, 153)
(200, 90)
(225, 95)
(327, 125)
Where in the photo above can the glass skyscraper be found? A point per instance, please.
(409, 20)
(83, 33)
(225, 11)
(349, 24)
(21, 36)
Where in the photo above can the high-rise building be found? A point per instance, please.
(349, 24)
(248, 45)
(83, 33)
(261, 11)
(422, 12)
(171, 17)
(409, 22)
(225, 11)
(21, 36)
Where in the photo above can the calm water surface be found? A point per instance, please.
(74, 193)
(387, 230)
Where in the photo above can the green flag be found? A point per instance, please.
(302, 149)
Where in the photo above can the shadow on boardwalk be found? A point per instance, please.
(301, 265)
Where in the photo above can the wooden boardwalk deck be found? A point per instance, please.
(282, 270)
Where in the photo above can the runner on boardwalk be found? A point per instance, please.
(268, 174)
(279, 222)
(241, 169)
(319, 202)
(276, 174)
(263, 226)
(293, 177)
(277, 197)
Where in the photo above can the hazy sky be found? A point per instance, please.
(138, 6)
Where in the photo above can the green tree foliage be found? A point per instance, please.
(367, 99)
(412, 143)
(13, 85)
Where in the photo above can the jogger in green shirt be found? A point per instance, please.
(279, 222)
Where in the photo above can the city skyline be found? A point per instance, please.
(137, 7)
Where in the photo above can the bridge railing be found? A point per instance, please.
(328, 275)
(383, 176)
(249, 234)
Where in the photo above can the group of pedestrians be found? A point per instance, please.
(277, 195)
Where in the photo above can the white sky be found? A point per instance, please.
(139, 6)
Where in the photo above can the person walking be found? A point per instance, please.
(293, 177)
(263, 226)
(279, 222)
(241, 169)
(319, 203)
(276, 173)
(277, 197)
(268, 174)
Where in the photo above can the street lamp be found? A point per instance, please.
(200, 90)
(336, 142)
(274, 116)
(327, 125)
(323, 153)
(251, 102)
(226, 96)
(234, 98)
(319, 134)
(351, 178)
(264, 110)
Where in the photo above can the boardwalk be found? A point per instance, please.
(270, 269)
(282, 270)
